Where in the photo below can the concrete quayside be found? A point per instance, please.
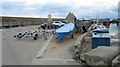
(69, 51)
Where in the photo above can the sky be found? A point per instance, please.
(59, 8)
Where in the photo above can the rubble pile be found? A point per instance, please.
(102, 55)
(82, 45)
(116, 62)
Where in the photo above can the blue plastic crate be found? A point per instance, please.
(102, 39)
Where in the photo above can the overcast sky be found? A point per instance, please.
(60, 8)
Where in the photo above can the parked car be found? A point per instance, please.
(52, 25)
(58, 23)
(47, 25)
(64, 21)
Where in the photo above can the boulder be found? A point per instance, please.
(116, 43)
(116, 36)
(102, 55)
(116, 62)
(80, 40)
(88, 34)
(87, 46)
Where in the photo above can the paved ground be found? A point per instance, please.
(24, 51)
(19, 52)
(0, 47)
(57, 53)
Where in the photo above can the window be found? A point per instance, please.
(57, 22)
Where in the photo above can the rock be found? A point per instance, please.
(80, 40)
(115, 43)
(117, 36)
(77, 47)
(87, 46)
(82, 44)
(116, 62)
(102, 55)
(88, 34)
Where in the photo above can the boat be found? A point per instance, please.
(65, 30)
(99, 28)
(100, 35)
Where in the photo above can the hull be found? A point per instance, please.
(64, 31)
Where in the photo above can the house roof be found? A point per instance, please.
(70, 14)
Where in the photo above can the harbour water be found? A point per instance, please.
(114, 29)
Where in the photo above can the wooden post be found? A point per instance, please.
(72, 36)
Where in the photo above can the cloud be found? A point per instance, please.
(60, 8)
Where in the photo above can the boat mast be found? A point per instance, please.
(96, 20)
(97, 17)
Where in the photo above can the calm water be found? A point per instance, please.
(114, 29)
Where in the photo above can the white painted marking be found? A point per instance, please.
(43, 49)
(56, 59)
